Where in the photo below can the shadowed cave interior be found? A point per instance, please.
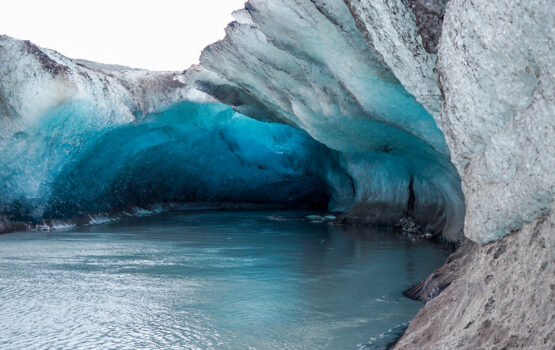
(71, 163)
(187, 153)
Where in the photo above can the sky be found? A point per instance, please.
(150, 34)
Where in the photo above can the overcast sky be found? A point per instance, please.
(155, 34)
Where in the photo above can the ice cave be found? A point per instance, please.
(352, 140)
(392, 116)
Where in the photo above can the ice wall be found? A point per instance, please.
(193, 153)
(358, 76)
(307, 64)
(347, 71)
(79, 137)
(67, 166)
(406, 38)
(496, 71)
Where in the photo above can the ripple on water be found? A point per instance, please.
(209, 280)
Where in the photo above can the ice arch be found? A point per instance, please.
(66, 166)
(311, 65)
(365, 143)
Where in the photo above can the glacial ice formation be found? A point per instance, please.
(496, 71)
(385, 104)
(360, 86)
(347, 71)
(100, 138)
(198, 153)
(391, 29)
(496, 61)
(65, 167)
(310, 66)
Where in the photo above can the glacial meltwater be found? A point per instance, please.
(210, 280)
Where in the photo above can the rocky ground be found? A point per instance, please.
(500, 296)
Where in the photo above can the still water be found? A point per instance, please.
(209, 280)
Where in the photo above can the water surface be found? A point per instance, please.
(209, 280)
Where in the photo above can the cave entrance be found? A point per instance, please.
(193, 153)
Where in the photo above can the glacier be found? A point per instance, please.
(311, 67)
(188, 153)
(433, 111)
(104, 138)
(499, 118)
(96, 141)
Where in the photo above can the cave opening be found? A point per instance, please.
(203, 154)
(75, 161)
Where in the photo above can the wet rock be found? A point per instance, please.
(513, 307)
(440, 279)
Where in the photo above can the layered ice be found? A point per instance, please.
(377, 106)
(495, 73)
(66, 166)
(359, 128)
(193, 153)
(79, 137)
(311, 66)
(355, 83)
